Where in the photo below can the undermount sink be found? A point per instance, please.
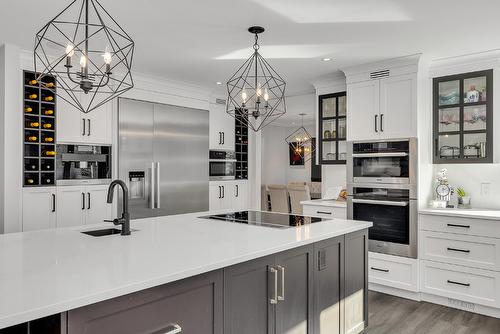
(103, 232)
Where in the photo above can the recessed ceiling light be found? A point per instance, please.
(326, 59)
(219, 83)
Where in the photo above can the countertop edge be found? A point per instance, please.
(37, 313)
(444, 212)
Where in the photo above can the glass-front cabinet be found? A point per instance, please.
(332, 128)
(463, 118)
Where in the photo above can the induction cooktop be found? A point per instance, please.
(266, 219)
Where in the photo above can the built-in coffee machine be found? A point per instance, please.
(87, 164)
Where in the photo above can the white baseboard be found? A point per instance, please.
(395, 292)
(461, 305)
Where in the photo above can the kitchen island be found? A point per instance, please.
(78, 278)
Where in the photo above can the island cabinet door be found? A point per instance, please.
(193, 305)
(295, 291)
(356, 282)
(250, 297)
(329, 286)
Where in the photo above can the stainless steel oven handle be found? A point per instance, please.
(380, 155)
(373, 201)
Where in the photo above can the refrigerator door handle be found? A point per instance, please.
(157, 184)
(151, 186)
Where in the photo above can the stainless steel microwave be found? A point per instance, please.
(222, 165)
(389, 161)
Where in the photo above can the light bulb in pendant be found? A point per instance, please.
(70, 50)
(259, 90)
(107, 57)
(83, 61)
(266, 95)
(244, 95)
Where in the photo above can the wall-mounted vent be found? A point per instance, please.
(220, 101)
(379, 74)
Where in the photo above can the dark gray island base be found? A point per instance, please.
(317, 288)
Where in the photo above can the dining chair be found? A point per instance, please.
(279, 198)
(297, 194)
(264, 198)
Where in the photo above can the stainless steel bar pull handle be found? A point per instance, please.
(377, 202)
(157, 190)
(274, 299)
(152, 186)
(281, 293)
(173, 329)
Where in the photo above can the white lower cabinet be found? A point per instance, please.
(324, 211)
(393, 271)
(39, 208)
(228, 195)
(80, 205)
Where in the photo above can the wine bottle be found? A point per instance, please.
(33, 96)
(32, 82)
(49, 153)
(28, 109)
(29, 180)
(50, 85)
(49, 112)
(48, 139)
(30, 166)
(47, 181)
(48, 98)
(47, 126)
(34, 124)
(32, 138)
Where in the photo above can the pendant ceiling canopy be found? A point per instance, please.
(89, 54)
(301, 141)
(256, 92)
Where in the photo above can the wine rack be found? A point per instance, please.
(39, 110)
(241, 148)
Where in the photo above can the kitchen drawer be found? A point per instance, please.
(394, 271)
(467, 226)
(462, 283)
(324, 211)
(465, 250)
(193, 305)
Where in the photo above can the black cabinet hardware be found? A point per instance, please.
(457, 225)
(378, 269)
(458, 283)
(458, 250)
(323, 213)
(53, 203)
(220, 192)
(88, 129)
(381, 122)
(237, 191)
(223, 191)
(223, 138)
(83, 201)
(83, 121)
(376, 119)
(88, 202)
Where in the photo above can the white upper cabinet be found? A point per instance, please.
(74, 126)
(382, 103)
(398, 115)
(222, 128)
(363, 110)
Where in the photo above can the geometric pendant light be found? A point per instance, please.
(301, 141)
(89, 54)
(256, 92)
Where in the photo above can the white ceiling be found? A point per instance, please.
(204, 41)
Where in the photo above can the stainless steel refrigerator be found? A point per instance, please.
(163, 157)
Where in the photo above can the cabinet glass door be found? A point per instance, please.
(332, 128)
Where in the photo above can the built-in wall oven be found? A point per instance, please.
(382, 188)
(222, 165)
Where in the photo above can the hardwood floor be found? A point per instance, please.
(393, 315)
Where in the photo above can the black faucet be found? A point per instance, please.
(124, 220)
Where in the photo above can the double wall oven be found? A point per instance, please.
(382, 188)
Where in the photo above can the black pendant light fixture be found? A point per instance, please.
(85, 33)
(256, 92)
(301, 141)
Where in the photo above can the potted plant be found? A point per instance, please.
(463, 198)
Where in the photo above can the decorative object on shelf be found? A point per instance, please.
(301, 141)
(327, 134)
(443, 189)
(86, 31)
(256, 92)
(463, 199)
(472, 95)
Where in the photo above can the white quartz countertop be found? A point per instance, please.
(464, 213)
(51, 271)
(326, 202)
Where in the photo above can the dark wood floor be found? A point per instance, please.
(393, 315)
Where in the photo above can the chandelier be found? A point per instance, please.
(85, 33)
(301, 141)
(256, 92)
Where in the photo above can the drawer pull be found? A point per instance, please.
(274, 300)
(457, 225)
(458, 283)
(281, 295)
(173, 329)
(378, 269)
(458, 250)
(323, 212)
